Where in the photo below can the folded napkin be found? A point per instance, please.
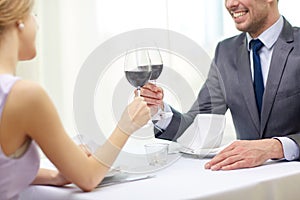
(206, 132)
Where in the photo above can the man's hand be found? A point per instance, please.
(152, 94)
(245, 154)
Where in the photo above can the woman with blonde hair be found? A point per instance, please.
(28, 118)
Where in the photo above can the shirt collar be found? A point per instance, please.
(269, 36)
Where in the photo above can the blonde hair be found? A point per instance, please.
(13, 10)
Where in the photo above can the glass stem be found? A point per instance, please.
(138, 91)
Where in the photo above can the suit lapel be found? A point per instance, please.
(282, 49)
(245, 79)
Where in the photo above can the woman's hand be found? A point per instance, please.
(136, 115)
(59, 179)
(50, 177)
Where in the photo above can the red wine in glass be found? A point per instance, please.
(137, 68)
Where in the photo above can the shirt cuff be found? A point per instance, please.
(164, 121)
(290, 148)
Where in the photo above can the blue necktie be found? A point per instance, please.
(258, 83)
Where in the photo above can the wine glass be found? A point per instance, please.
(157, 67)
(137, 67)
(156, 64)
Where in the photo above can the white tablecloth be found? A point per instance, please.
(187, 179)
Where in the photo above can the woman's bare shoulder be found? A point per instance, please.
(27, 89)
(27, 99)
(27, 93)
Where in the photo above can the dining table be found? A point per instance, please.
(185, 178)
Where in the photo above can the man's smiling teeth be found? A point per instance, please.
(238, 14)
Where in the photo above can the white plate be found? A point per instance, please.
(201, 152)
(112, 172)
(123, 178)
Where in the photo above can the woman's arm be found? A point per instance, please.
(38, 118)
(50, 177)
(54, 177)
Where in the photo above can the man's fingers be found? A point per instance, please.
(240, 154)
(145, 92)
(151, 101)
(223, 155)
(152, 87)
(237, 165)
(226, 162)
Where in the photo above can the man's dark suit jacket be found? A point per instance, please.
(229, 85)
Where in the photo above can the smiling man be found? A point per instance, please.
(256, 76)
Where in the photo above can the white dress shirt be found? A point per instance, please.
(268, 38)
